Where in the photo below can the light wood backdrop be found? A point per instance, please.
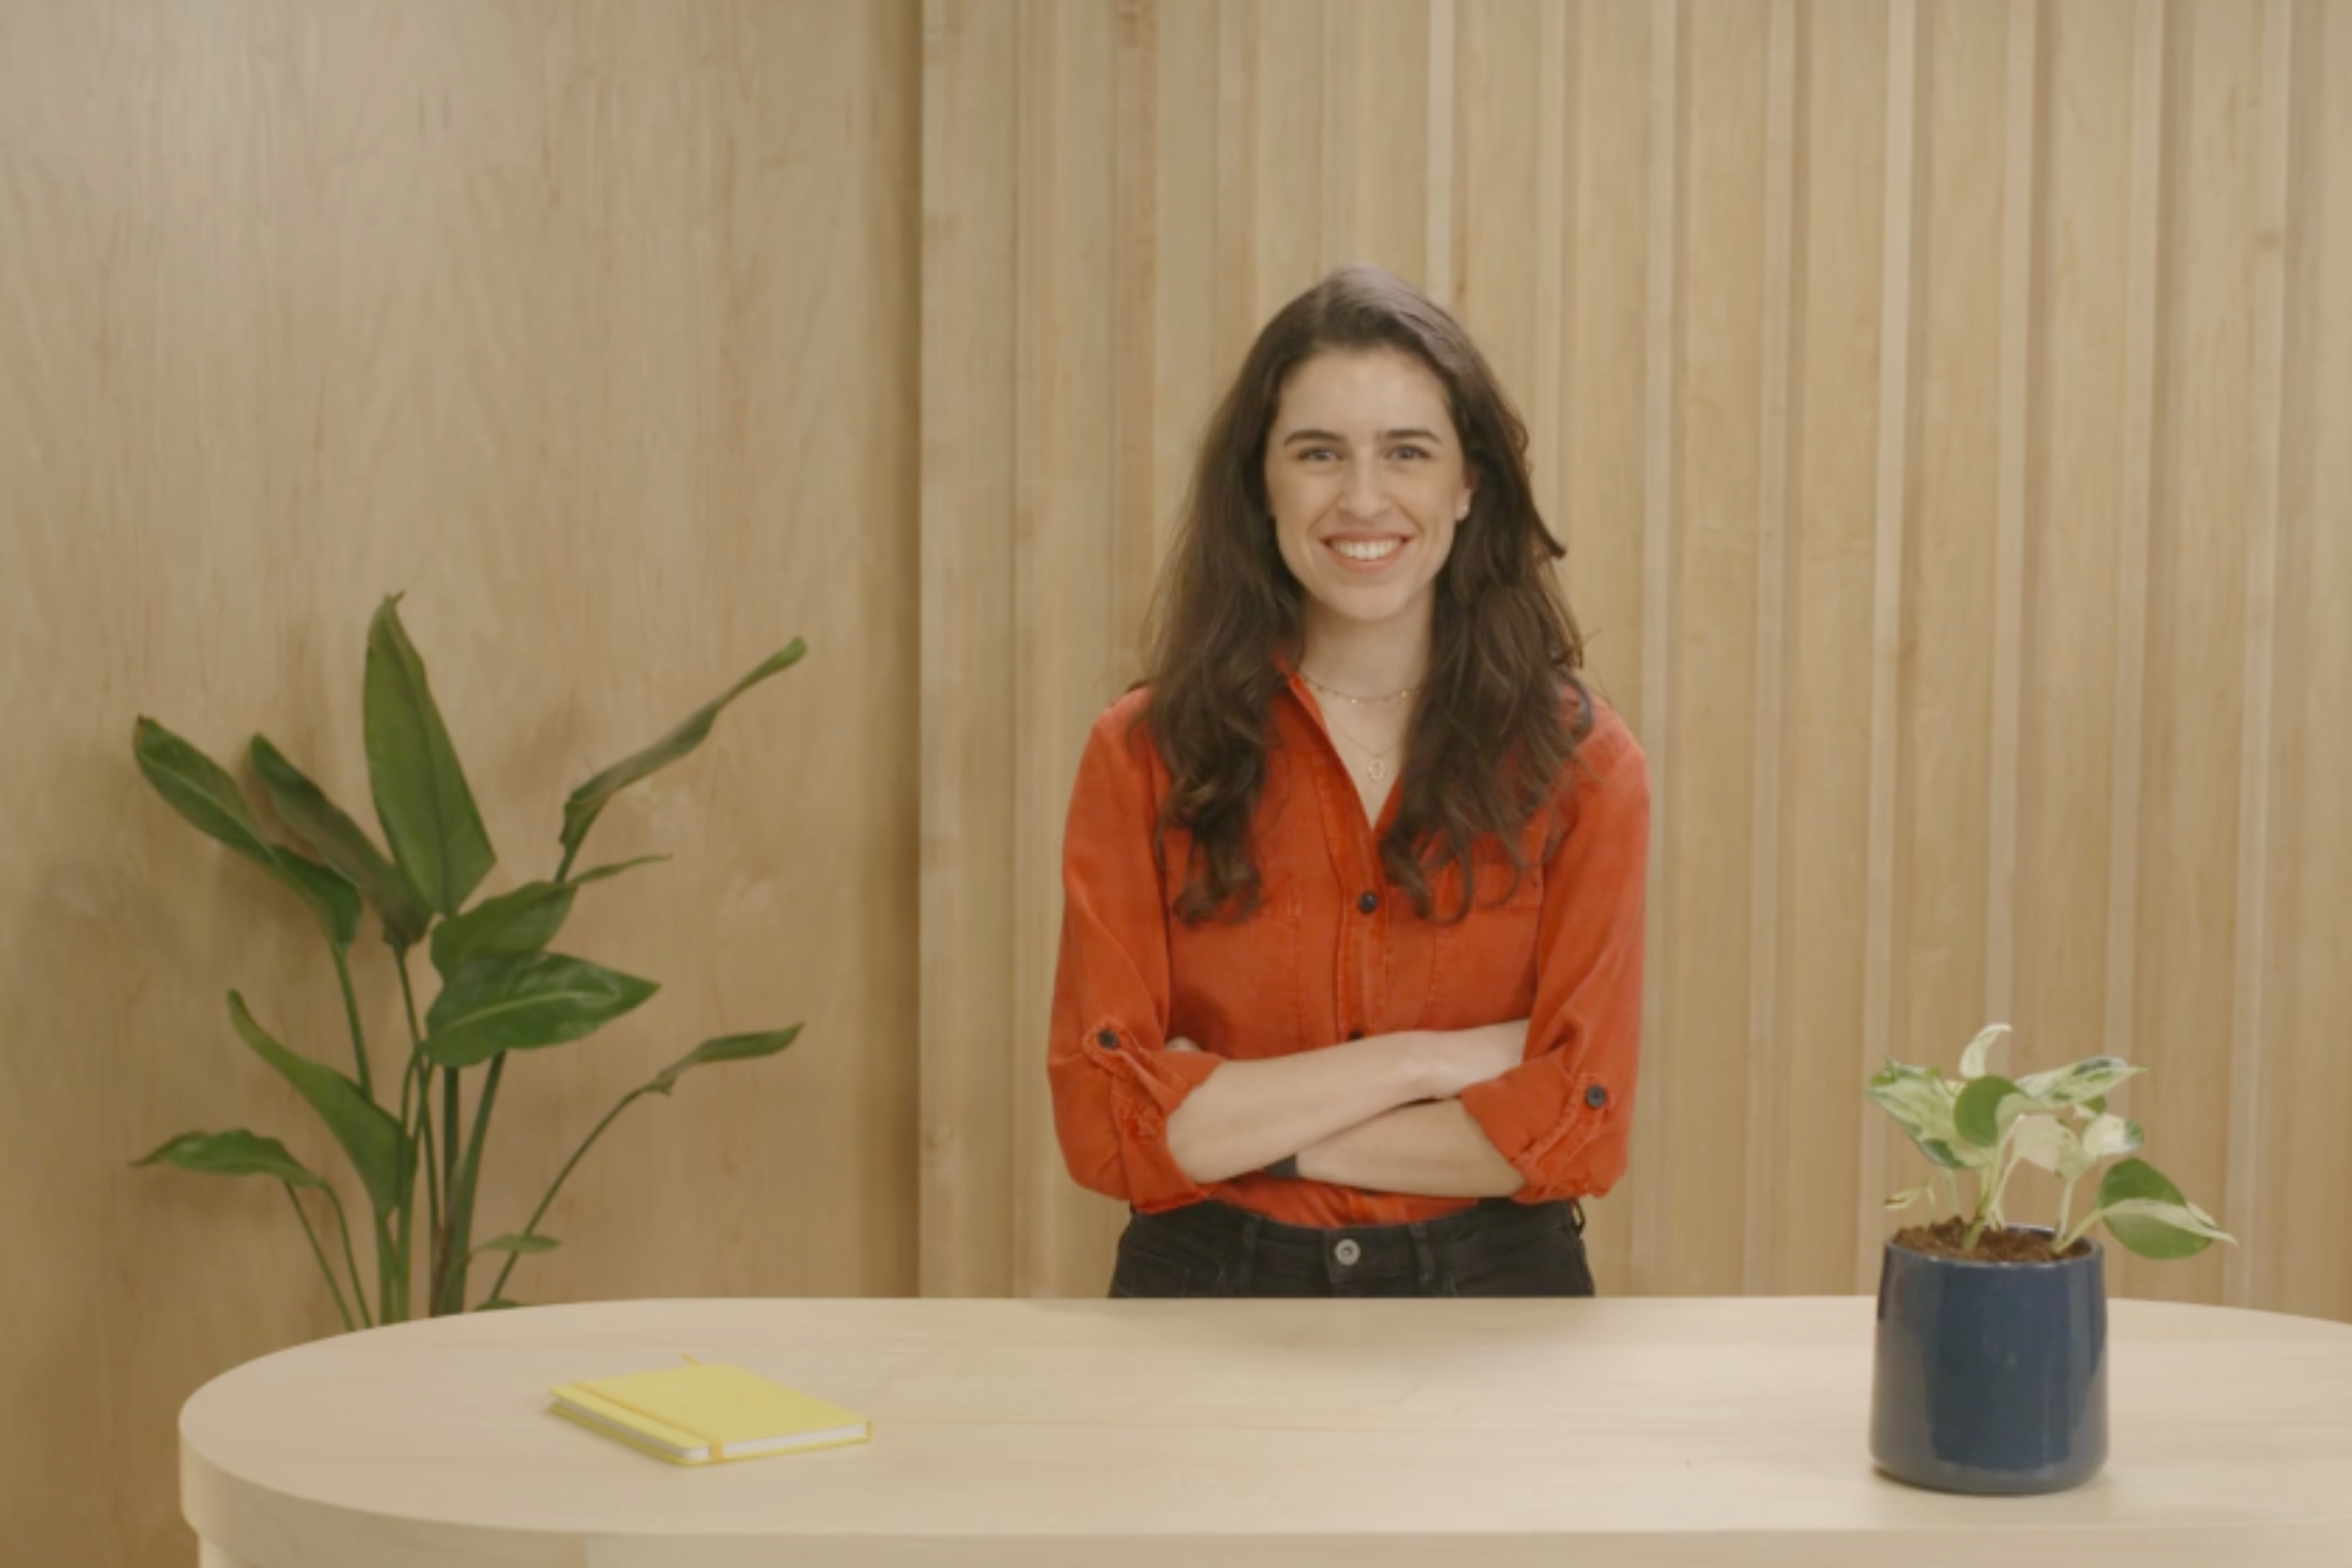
(1946, 405)
(591, 327)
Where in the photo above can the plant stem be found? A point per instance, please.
(465, 1183)
(316, 1251)
(557, 1185)
(2065, 1207)
(417, 1077)
(352, 1016)
(350, 1262)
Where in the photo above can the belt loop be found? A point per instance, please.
(1247, 1272)
(1576, 1215)
(1424, 1259)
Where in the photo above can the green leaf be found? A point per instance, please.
(2108, 1137)
(200, 791)
(587, 802)
(2147, 1213)
(421, 797)
(2044, 1140)
(524, 921)
(728, 1049)
(1949, 1158)
(1978, 1115)
(1972, 1060)
(369, 1134)
(523, 1002)
(498, 1304)
(235, 1152)
(2077, 1082)
(517, 1244)
(342, 843)
(1903, 1200)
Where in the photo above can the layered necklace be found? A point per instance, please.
(1377, 769)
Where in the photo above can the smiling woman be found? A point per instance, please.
(1351, 969)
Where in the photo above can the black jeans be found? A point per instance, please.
(1497, 1248)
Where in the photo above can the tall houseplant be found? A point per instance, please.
(501, 990)
(1990, 1372)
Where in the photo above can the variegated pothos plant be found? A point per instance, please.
(1989, 1126)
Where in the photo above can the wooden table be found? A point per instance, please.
(1134, 1434)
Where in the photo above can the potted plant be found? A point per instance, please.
(501, 990)
(1992, 1369)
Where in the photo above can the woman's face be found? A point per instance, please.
(1367, 480)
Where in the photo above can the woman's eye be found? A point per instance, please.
(1315, 453)
(1415, 452)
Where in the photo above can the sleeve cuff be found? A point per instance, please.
(1543, 1121)
(1146, 1086)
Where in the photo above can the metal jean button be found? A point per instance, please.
(1347, 1252)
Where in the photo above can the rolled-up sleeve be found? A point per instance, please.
(1114, 1082)
(1563, 1117)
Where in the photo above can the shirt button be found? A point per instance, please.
(1108, 1040)
(1347, 1252)
(1369, 903)
(1596, 1097)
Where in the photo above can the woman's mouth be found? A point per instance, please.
(1365, 554)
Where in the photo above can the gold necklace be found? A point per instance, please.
(1376, 770)
(1359, 701)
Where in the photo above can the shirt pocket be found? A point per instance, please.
(1236, 986)
(1485, 966)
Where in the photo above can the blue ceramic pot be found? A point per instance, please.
(1991, 1378)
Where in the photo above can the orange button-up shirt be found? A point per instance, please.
(1335, 951)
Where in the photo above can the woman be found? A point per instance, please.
(1349, 994)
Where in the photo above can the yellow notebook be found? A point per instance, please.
(705, 1412)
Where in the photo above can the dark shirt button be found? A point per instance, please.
(1596, 1097)
(1107, 1040)
(1355, 1034)
(1369, 903)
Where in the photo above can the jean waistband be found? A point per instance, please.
(1263, 1245)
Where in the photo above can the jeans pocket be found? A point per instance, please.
(1154, 1263)
(1550, 1262)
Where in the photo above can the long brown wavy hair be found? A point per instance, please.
(1488, 737)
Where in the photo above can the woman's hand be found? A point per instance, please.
(1451, 1061)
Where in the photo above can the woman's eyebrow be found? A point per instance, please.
(1412, 433)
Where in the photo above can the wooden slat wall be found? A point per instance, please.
(1936, 398)
(593, 327)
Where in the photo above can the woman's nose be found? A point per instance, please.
(1363, 496)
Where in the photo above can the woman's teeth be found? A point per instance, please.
(1353, 551)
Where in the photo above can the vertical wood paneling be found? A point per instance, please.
(1603, 453)
(2190, 809)
(1879, 917)
(2250, 977)
(1950, 325)
(1653, 1196)
(1135, 532)
(971, 80)
(2020, 207)
(2142, 329)
(2305, 1258)
(1440, 272)
(1554, 349)
(1762, 1268)
(1833, 514)
(1235, 128)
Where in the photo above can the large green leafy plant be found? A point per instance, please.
(1990, 1126)
(501, 990)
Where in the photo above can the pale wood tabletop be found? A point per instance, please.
(1655, 1434)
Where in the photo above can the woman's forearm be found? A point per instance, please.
(1248, 1114)
(1434, 1150)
